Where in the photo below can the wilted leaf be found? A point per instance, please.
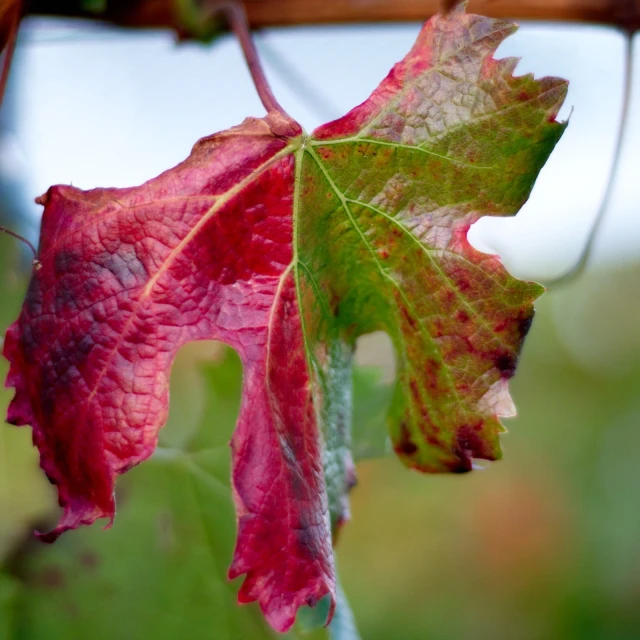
(288, 247)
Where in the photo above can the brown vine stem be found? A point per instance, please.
(583, 259)
(236, 16)
(10, 48)
(271, 13)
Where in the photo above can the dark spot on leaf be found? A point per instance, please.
(506, 364)
(67, 261)
(462, 316)
(406, 445)
(433, 366)
(470, 445)
(463, 465)
(415, 391)
(308, 542)
(408, 317)
(125, 266)
(524, 324)
(84, 346)
(33, 301)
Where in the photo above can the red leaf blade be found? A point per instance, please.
(127, 277)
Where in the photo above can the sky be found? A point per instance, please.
(102, 107)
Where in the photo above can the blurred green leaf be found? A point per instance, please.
(343, 624)
(9, 590)
(371, 399)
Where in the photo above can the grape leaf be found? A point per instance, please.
(288, 247)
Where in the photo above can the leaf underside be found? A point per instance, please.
(288, 247)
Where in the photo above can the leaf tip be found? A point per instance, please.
(283, 618)
(74, 516)
(280, 603)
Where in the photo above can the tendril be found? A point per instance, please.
(583, 259)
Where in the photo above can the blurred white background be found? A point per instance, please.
(93, 106)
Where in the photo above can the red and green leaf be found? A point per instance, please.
(288, 247)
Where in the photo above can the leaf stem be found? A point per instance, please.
(579, 267)
(447, 5)
(237, 18)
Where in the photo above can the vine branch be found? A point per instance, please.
(269, 13)
(15, 11)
